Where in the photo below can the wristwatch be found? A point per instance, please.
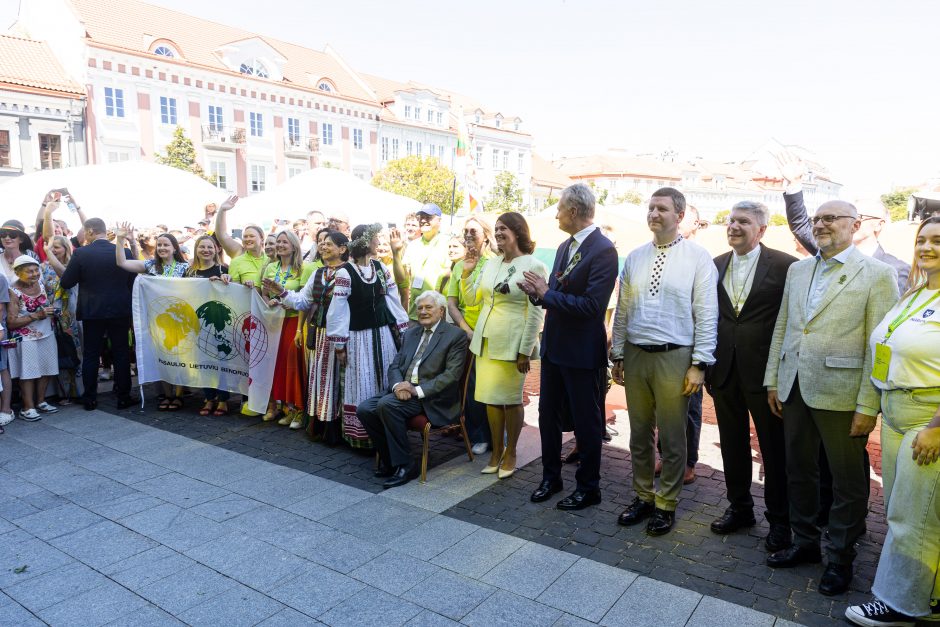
(701, 365)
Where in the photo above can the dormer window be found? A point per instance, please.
(254, 67)
(498, 122)
(164, 51)
(324, 86)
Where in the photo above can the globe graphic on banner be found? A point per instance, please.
(217, 335)
(251, 338)
(174, 326)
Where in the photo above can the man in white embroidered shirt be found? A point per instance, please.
(664, 336)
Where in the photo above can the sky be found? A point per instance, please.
(854, 82)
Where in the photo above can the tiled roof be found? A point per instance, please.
(31, 64)
(544, 173)
(133, 25)
(614, 165)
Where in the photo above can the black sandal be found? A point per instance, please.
(176, 404)
(164, 404)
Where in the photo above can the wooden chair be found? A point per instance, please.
(421, 424)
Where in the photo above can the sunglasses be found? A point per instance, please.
(10, 234)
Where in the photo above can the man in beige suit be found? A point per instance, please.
(817, 379)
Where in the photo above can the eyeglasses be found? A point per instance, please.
(470, 231)
(503, 286)
(829, 219)
(864, 217)
(10, 234)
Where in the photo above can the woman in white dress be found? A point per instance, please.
(35, 361)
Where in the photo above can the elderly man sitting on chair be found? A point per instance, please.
(424, 378)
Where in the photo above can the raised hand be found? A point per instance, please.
(394, 239)
(123, 230)
(792, 168)
(229, 203)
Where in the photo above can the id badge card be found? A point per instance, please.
(417, 283)
(882, 360)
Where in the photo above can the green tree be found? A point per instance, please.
(423, 178)
(896, 202)
(778, 219)
(181, 154)
(721, 217)
(631, 197)
(506, 194)
(600, 195)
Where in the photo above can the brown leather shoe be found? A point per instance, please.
(689, 476)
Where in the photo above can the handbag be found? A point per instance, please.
(68, 354)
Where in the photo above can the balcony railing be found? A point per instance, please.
(303, 146)
(223, 136)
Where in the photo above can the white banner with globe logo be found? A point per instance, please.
(205, 334)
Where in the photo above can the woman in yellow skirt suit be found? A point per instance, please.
(505, 338)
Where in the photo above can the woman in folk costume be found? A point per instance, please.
(364, 323)
(325, 380)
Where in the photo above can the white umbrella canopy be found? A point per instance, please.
(326, 190)
(141, 192)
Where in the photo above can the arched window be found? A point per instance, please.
(324, 86)
(164, 51)
(254, 67)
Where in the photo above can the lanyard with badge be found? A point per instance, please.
(882, 351)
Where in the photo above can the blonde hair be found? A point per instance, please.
(64, 242)
(216, 258)
(918, 278)
(296, 255)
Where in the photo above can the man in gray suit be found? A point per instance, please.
(424, 378)
(817, 379)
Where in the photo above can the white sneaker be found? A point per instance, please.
(480, 447)
(296, 423)
(46, 408)
(30, 415)
(6, 419)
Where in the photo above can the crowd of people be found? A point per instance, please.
(385, 324)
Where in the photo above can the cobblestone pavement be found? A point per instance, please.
(731, 568)
(107, 520)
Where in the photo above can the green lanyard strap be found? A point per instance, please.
(907, 314)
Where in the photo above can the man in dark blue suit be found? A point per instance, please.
(104, 307)
(574, 346)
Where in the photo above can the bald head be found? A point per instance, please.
(837, 207)
(834, 225)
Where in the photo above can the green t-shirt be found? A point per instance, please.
(427, 264)
(247, 267)
(290, 281)
(456, 286)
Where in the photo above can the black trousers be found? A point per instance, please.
(385, 418)
(94, 333)
(579, 393)
(735, 408)
(805, 428)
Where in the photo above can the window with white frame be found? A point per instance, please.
(324, 86)
(409, 148)
(479, 158)
(167, 110)
(293, 130)
(394, 149)
(505, 159)
(117, 156)
(5, 149)
(357, 138)
(327, 134)
(293, 171)
(420, 150)
(418, 113)
(495, 159)
(407, 111)
(431, 150)
(385, 149)
(217, 170)
(114, 102)
(254, 67)
(521, 166)
(215, 118)
(430, 116)
(164, 51)
(440, 152)
(440, 118)
(256, 123)
(257, 178)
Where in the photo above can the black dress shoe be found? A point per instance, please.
(579, 499)
(127, 401)
(836, 579)
(733, 520)
(90, 405)
(402, 475)
(778, 538)
(636, 512)
(384, 470)
(661, 522)
(545, 490)
(794, 555)
(573, 457)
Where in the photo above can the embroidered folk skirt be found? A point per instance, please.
(369, 353)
